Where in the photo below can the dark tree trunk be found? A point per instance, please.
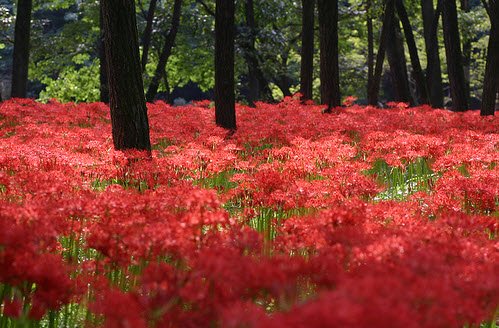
(103, 82)
(454, 56)
(465, 6)
(307, 49)
(21, 49)
(146, 37)
(372, 94)
(165, 52)
(128, 108)
(433, 67)
(398, 66)
(329, 68)
(258, 85)
(491, 79)
(421, 87)
(370, 46)
(225, 111)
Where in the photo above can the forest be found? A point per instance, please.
(249, 163)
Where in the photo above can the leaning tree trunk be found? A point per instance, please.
(21, 49)
(466, 7)
(130, 124)
(433, 69)
(491, 79)
(225, 111)
(103, 82)
(421, 87)
(146, 37)
(329, 67)
(373, 91)
(398, 66)
(454, 56)
(165, 52)
(307, 49)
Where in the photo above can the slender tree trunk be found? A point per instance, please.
(21, 49)
(258, 85)
(146, 37)
(307, 49)
(128, 108)
(373, 92)
(491, 79)
(422, 89)
(225, 111)
(370, 46)
(329, 67)
(165, 52)
(433, 66)
(454, 56)
(465, 6)
(398, 66)
(103, 82)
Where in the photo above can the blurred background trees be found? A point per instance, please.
(66, 47)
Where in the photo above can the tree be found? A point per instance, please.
(146, 38)
(103, 82)
(21, 49)
(419, 77)
(370, 45)
(491, 79)
(373, 91)
(454, 55)
(225, 111)
(398, 66)
(433, 69)
(165, 51)
(307, 49)
(130, 124)
(329, 67)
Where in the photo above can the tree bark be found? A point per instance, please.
(103, 81)
(491, 78)
(454, 56)
(307, 49)
(165, 52)
(329, 68)
(225, 111)
(373, 92)
(398, 66)
(146, 37)
(465, 6)
(421, 87)
(21, 49)
(130, 126)
(433, 66)
(370, 46)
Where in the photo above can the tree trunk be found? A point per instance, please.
(454, 56)
(421, 87)
(128, 108)
(329, 68)
(21, 49)
(491, 78)
(103, 82)
(225, 111)
(258, 85)
(370, 46)
(165, 52)
(465, 6)
(146, 37)
(433, 69)
(398, 66)
(372, 94)
(307, 49)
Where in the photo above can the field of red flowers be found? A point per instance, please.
(361, 218)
